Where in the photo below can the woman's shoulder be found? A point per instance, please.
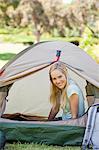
(72, 85)
(72, 88)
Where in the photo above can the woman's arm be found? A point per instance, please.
(53, 112)
(74, 101)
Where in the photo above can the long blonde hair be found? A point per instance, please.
(56, 94)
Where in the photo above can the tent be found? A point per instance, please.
(24, 93)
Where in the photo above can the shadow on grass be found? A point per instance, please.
(6, 56)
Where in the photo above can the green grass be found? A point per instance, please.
(24, 35)
(6, 56)
(10, 30)
(17, 38)
(19, 146)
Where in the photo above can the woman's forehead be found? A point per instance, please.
(56, 72)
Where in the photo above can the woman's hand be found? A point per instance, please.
(53, 112)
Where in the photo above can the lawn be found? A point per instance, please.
(19, 146)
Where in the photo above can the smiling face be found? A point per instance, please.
(58, 79)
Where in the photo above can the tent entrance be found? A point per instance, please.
(28, 98)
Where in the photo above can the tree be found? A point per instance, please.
(85, 14)
(4, 6)
(55, 13)
(32, 12)
(51, 15)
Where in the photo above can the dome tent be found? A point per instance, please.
(28, 73)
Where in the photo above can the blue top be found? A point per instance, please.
(73, 88)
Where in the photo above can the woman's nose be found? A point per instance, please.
(58, 81)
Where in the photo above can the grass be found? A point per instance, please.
(17, 38)
(25, 35)
(26, 146)
(6, 56)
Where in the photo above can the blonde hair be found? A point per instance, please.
(56, 94)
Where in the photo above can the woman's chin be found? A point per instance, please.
(60, 87)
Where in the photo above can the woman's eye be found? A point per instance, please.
(60, 76)
(54, 79)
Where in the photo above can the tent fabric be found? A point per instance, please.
(3, 94)
(43, 133)
(81, 121)
(50, 133)
(2, 140)
(44, 54)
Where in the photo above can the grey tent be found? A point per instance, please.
(24, 93)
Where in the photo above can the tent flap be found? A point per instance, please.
(3, 94)
(45, 53)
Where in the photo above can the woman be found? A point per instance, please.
(65, 94)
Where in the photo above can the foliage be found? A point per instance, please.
(89, 45)
(32, 12)
(51, 16)
(86, 13)
(86, 41)
(5, 14)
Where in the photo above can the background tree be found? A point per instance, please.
(54, 11)
(85, 13)
(32, 12)
(51, 16)
(5, 6)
